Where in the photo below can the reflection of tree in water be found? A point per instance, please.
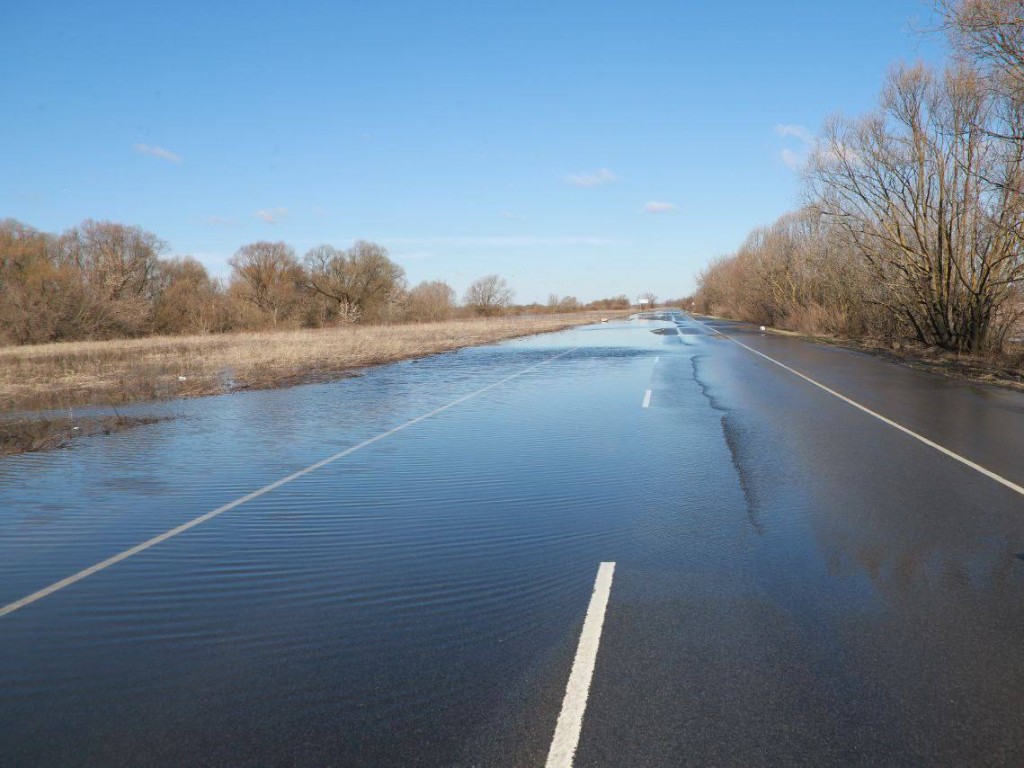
(915, 550)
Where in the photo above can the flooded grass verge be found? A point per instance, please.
(38, 433)
(58, 377)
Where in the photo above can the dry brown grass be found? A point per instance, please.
(113, 372)
(1005, 369)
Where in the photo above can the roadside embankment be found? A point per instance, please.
(1005, 369)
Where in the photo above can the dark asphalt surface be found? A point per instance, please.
(796, 581)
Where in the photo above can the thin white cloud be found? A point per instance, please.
(220, 221)
(163, 154)
(595, 179)
(837, 154)
(271, 215)
(793, 160)
(659, 207)
(510, 215)
(799, 132)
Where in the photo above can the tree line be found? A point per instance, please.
(913, 226)
(103, 279)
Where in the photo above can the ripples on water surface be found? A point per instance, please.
(373, 591)
(416, 602)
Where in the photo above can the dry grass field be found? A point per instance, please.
(66, 375)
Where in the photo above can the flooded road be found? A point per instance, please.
(795, 581)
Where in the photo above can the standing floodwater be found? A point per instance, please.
(418, 601)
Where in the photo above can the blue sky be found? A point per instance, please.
(588, 148)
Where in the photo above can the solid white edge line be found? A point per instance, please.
(647, 399)
(86, 572)
(895, 425)
(574, 705)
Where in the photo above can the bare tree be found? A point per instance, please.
(614, 302)
(649, 297)
(558, 303)
(802, 272)
(187, 300)
(991, 33)
(41, 298)
(116, 260)
(930, 202)
(117, 264)
(431, 302)
(268, 276)
(362, 277)
(489, 295)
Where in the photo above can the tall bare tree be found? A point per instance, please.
(930, 201)
(269, 277)
(362, 277)
(991, 33)
(489, 295)
(118, 261)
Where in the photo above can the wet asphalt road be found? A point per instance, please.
(796, 582)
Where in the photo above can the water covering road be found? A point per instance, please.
(796, 582)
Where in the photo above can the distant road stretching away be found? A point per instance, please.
(660, 542)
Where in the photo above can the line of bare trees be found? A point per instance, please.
(107, 280)
(914, 225)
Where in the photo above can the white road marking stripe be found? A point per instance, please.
(570, 720)
(647, 399)
(46, 591)
(895, 425)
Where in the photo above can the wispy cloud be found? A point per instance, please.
(500, 241)
(510, 215)
(163, 154)
(658, 207)
(837, 154)
(271, 215)
(792, 159)
(220, 221)
(795, 157)
(595, 179)
(800, 132)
